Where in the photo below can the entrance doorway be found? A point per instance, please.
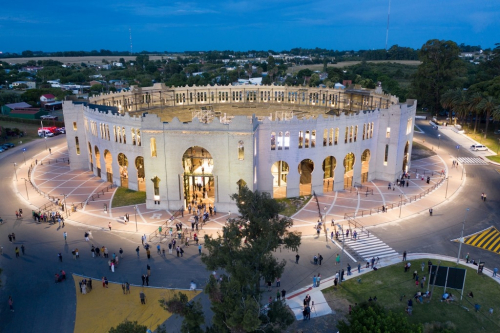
(199, 184)
(306, 168)
(365, 165)
(348, 170)
(108, 159)
(279, 170)
(141, 174)
(405, 158)
(123, 163)
(329, 165)
(98, 161)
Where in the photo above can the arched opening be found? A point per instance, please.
(91, 159)
(406, 156)
(279, 170)
(198, 177)
(98, 161)
(241, 183)
(108, 159)
(329, 165)
(123, 163)
(365, 165)
(141, 173)
(306, 168)
(348, 169)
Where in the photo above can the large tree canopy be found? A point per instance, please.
(441, 70)
(244, 251)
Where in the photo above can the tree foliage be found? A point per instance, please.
(371, 317)
(441, 69)
(192, 312)
(128, 327)
(244, 251)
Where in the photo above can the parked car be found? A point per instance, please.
(497, 132)
(62, 130)
(10, 145)
(1, 150)
(478, 147)
(4, 147)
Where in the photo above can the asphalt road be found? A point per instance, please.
(423, 233)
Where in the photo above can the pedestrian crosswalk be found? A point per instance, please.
(471, 160)
(488, 239)
(370, 246)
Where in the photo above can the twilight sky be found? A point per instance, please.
(165, 25)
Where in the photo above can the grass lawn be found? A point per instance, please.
(125, 197)
(293, 205)
(494, 158)
(390, 283)
(30, 130)
(420, 151)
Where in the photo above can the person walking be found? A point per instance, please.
(404, 256)
(148, 253)
(320, 258)
(17, 252)
(297, 257)
(59, 255)
(109, 226)
(359, 267)
(495, 271)
(147, 280)
(467, 257)
(169, 248)
(143, 279)
(430, 211)
(149, 269)
(142, 297)
(121, 252)
(199, 248)
(314, 281)
(65, 235)
(178, 251)
(137, 250)
(337, 259)
(22, 249)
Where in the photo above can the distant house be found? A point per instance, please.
(31, 69)
(47, 98)
(22, 110)
(29, 84)
(7, 108)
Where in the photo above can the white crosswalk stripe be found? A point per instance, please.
(471, 160)
(368, 247)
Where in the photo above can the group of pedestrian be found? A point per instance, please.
(61, 276)
(86, 285)
(126, 288)
(306, 312)
(483, 196)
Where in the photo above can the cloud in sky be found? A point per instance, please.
(243, 24)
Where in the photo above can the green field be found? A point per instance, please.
(392, 287)
(125, 197)
(30, 130)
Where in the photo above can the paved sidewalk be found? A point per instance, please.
(295, 298)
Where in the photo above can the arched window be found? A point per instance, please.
(273, 140)
(133, 136)
(124, 135)
(287, 140)
(241, 151)
(152, 143)
(280, 140)
(77, 145)
(138, 137)
(107, 133)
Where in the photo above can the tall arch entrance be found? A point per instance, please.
(365, 165)
(349, 161)
(108, 159)
(98, 161)
(306, 168)
(329, 165)
(198, 177)
(91, 159)
(280, 170)
(141, 173)
(123, 163)
(406, 157)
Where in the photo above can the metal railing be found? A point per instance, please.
(378, 209)
(164, 233)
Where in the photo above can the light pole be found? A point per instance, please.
(65, 207)
(462, 237)
(343, 242)
(447, 181)
(26, 187)
(24, 150)
(15, 170)
(135, 216)
(45, 140)
(400, 204)
(439, 142)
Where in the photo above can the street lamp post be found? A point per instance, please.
(135, 216)
(343, 242)
(462, 237)
(65, 207)
(26, 187)
(447, 181)
(15, 170)
(439, 142)
(45, 140)
(24, 156)
(400, 204)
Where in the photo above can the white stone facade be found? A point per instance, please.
(242, 147)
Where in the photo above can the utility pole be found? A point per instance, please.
(15, 170)
(462, 237)
(343, 242)
(135, 216)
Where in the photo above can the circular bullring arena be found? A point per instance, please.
(188, 144)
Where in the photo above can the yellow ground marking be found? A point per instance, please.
(104, 308)
(488, 239)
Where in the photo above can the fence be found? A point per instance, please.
(166, 226)
(367, 212)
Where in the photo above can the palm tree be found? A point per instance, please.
(459, 103)
(473, 102)
(447, 99)
(488, 105)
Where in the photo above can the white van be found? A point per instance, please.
(478, 147)
(45, 132)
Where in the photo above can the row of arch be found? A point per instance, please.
(281, 169)
(123, 164)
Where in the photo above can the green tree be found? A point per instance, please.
(129, 327)
(371, 317)
(192, 312)
(441, 70)
(315, 80)
(488, 105)
(244, 251)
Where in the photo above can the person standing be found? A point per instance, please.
(143, 279)
(148, 253)
(65, 235)
(147, 280)
(404, 256)
(178, 251)
(199, 248)
(297, 257)
(495, 271)
(137, 250)
(337, 259)
(59, 255)
(22, 249)
(17, 252)
(11, 304)
(359, 267)
(143, 297)
(467, 257)
(121, 252)
(109, 226)
(149, 269)
(320, 258)
(278, 282)
(314, 281)
(430, 211)
(283, 294)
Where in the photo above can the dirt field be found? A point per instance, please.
(319, 67)
(78, 60)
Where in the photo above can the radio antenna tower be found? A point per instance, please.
(387, 31)
(130, 33)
